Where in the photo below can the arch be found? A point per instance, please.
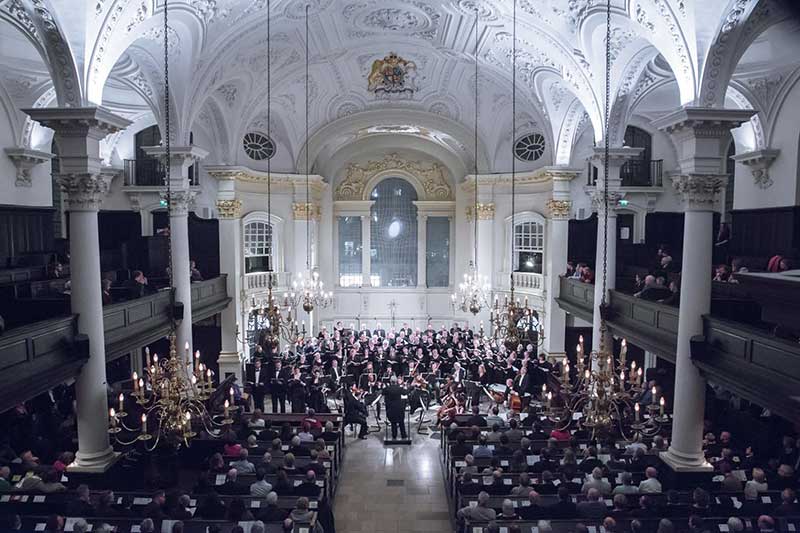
(523, 218)
(743, 23)
(276, 236)
(393, 232)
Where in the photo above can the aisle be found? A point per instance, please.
(397, 489)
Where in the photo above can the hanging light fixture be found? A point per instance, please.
(308, 291)
(514, 319)
(602, 397)
(280, 320)
(471, 295)
(170, 401)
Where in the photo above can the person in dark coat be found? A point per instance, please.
(395, 407)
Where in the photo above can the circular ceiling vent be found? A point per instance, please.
(258, 147)
(529, 147)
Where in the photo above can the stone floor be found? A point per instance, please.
(391, 489)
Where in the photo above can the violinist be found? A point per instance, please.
(355, 412)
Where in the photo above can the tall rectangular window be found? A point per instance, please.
(350, 251)
(437, 248)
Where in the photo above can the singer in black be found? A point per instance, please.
(396, 407)
(297, 392)
(277, 387)
(257, 379)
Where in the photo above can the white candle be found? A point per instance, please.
(661, 406)
(144, 424)
(112, 416)
(121, 402)
(135, 382)
(636, 408)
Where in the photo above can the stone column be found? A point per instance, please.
(182, 157)
(422, 250)
(699, 135)
(230, 263)
(366, 246)
(78, 132)
(486, 240)
(617, 158)
(559, 207)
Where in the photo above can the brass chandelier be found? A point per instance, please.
(472, 293)
(309, 292)
(513, 319)
(281, 320)
(172, 400)
(603, 395)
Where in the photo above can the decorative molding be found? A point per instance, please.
(85, 191)
(281, 182)
(229, 209)
(598, 196)
(431, 178)
(306, 211)
(759, 161)
(699, 191)
(25, 160)
(182, 201)
(559, 209)
(485, 212)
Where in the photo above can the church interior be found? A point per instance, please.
(516, 266)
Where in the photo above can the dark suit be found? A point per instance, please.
(233, 488)
(564, 510)
(277, 389)
(272, 513)
(395, 409)
(258, 384)
(310, 490)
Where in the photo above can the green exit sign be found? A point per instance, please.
(623, 203)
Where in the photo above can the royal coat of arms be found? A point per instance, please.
(392, 75)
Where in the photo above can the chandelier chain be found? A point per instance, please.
(269, 136)
(513, 134)
(168, 163)
(475, 208)
(606, 150)
(308, 199)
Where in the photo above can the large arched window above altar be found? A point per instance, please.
(393, 234)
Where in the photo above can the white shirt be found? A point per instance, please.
(650, 485)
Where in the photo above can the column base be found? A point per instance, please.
(680, 462)
(94, 463)
(230, 363)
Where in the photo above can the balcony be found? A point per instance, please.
(745, 359)
(149, 172)
(34, 358)
(524, 282)
(259, 281)
(636, 173)
(132, 324)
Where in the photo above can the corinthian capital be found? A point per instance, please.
(485, 212)
(306, 211)
(85, 191)
(699, 191)
(229, 209)
(559, 209)
(181, 201)
(598, 200)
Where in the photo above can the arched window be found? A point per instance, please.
(529, 247)
(393, 234)
(258, 246)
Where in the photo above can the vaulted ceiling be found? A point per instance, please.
(218, 64)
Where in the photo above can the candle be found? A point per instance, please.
(230, 392)
(208, 377)
(622, 380)
(144, 424)
(623, 351)
(147, 355)
(141, 385)
(586, 375)
(636, 408)
(661, 407)
(549, 399)
(135, 382)
(653, 392)
(196, 359)
(227, 406)
(121, 402)
(639, 377)
(113, 417)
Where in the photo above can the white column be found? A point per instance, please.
(699, 135)
(486, 240)
(616, 158)
(181, 158)
(366, 246)
(78, 132)
(559, 206)
(230, 263)
(422, 250)
(650, 360)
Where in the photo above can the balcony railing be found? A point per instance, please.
(525, 281)
(636, 173)
(149, 172)
(259, 281)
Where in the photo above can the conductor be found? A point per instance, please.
(395, 407)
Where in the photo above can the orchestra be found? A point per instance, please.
(447, 369)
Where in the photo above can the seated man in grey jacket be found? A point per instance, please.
(477, 513)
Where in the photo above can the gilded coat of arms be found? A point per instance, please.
(392, 75)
